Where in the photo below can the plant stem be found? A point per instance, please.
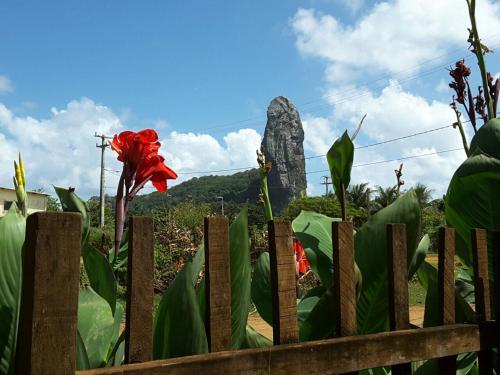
(119, 215)
(462, 133)
(480, 57)
(268, 212)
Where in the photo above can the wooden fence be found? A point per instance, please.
(47, 343)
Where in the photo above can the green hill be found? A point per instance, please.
(238, 188)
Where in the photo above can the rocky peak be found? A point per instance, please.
(283, 146)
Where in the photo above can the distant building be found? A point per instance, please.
(36, 201)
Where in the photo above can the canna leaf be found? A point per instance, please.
(340, 158)
(12, 234)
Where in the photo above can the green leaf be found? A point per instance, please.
(261, 288)
(178, 328)
(254, 339)
(100, 274)
(82, 359)
(198, 262)
(315, 233)
(419, 256)
(70, 202)
(340, 157)
(487, 139)
(371, 258)
(122, 258)
(308, 302)
(115, 338)
(12, 234)
(241, 274)
(473, 201)
(320, 323)
(96, 326)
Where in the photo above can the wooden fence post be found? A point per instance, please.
(446, 290)
(344, 278)
(399, 314)
(140, 291)
(283, 283)
(217, 283)
(482, 291)
(496, 275)
(49, 302)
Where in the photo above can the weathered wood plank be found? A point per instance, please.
(482, 291)
(446, 290)
(399, 311)
(140, 291)
(217, 283)
(496, 277)
(49, 300)
(344, 278)
(283, 282)
(332, 356)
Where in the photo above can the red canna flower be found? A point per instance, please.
(141, 163)
(300, 257)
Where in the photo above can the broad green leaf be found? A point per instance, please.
(371, 258)
(340, 157)
(198, 262)
(82, 359)
(261, 288)
(122, 258)
(321, 322)
(96, 326)
(241, 274)
(473, 201)
(428, 277)
(117, 355)
(100, 274)
(179, 329)
(70, 202)
(308, 302)
(419, 256)
(487, 139)
(12, 234)
(254, 339)
(115, 338)
(315, 233)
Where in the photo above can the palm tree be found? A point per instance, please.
(385, 196)
(359, 195)
(424, 194)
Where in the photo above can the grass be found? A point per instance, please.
(416, 293)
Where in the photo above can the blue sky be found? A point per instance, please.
(203, 72)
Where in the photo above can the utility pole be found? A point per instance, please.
(102, 146)
(326, 183)
(222, 204)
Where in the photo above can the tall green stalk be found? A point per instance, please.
(476, 42)
(264, 169)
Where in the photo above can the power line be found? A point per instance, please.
(321, 156)
(396, 159)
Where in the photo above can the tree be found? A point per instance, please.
(385, 196)
(359, 195)
(424, 194)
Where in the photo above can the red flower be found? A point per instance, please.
(141, 162)
(300, 257)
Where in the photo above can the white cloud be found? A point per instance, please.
(190, 152)
(5, 85)
(59, 150)
(393, 36)
(391, 114)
